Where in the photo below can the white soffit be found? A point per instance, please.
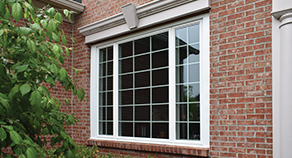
(66, 4)
(150, 14)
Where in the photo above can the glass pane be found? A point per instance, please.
(181, 131)
(142, 130)
(160, 59)
(102, 69)
(181, 74)
(126, 113)
(194, 73)
(126, 97)
(181, 55)
(194, 33)
(126, 65)
(109, 113)
(110, 83)
(160, 113)
(194, 131)
(126, 49)
(194, 53)
(142, 62)
(160, 130)
(102, 84)
(110, 68)
(181, 112)
(102, 54)
(181, 36)
(160, 95)
(194, 92)
(110, 98)
(126, 81)
(160, 41)
(126, 129)
(142, 79)
(181, 93)
(102, 113)
(110, 53)
(142, 96)
(109, 128)
(102, 127)
(102, 98)
(142, 113)
(160, 77)
(194, 112)
(142, 45)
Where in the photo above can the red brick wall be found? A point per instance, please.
(241, 78)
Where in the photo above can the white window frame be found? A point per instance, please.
(204, 84)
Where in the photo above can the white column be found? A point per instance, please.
(286, 85)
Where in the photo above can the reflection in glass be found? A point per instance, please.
(181, 111)
(142, 79)
(194, 112)
(181, 55)
(194, 53)
(126, 49)
(126, 97)
(160, 95)
(160, 113)
(126, 81)
(160, 77)
(126, 65)
(194, 33)
(143, 113)
(194, 131)
(160, 41)
(193, 91)
(160, 130)
(126, 113)
(142, 96)
(181, 36)
(126, 129)
(160, 59)
(181, 130)
(142, 45)
(194, 73)
(142, 62)
(142, 130)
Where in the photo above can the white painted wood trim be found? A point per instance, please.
(149, 14)
(68, 4)
(94, 92)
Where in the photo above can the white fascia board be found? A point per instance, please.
(150, 14)
(66, 4)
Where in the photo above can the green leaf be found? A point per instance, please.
(25, 31)
(55, 37)
(64, 38)
(29, 7)
(69, 154)
(63, 74)
(35, 98)
(44, 90)
(7, 14)
(31, 46)
(3, 134)
(59, 17)
(51, 26)
(64, 134)
(21, 68)
(56, 50)
(14, 90)
(44, 23)
(21, 156)
(2, 7)
(10, 128)
(15, 137)
(25, 88)
(50, 12)
(36, 26)
(54, 69)
(79, 95)
(31, 153)
(67, 52)
(45, 131)
(66, 12)
(2, 70)
(16, 11)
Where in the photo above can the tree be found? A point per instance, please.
(31, 55)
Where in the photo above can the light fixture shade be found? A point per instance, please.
(130, 14)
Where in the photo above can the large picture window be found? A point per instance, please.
(153, 87)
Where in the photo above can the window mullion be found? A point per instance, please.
(115, 89)
(172, 97)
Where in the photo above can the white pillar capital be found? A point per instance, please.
(286, 19)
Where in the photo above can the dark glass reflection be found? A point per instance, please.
(160, 113)
(142, 130)
(160, 59)
(142, 113)
(126, 113)
(160, 130)
(160, 41)
(160, 95)
(142, 96)
(126, 49)
(160, 77)
(126, 65)
(126, 129)
(142, 45)
(142, 62)
(126, 97)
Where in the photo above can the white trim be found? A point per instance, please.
(68, 4)
(149, 14)
(93, 92)
(204, 62)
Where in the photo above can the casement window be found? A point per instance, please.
(153, 86)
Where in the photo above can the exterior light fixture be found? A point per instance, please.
(130, 14)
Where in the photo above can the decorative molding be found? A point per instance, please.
(66, 4)
(286, 19)
(117, 22)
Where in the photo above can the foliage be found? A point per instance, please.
(32, 54)
(83, 152)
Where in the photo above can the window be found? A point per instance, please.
(154, 87)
